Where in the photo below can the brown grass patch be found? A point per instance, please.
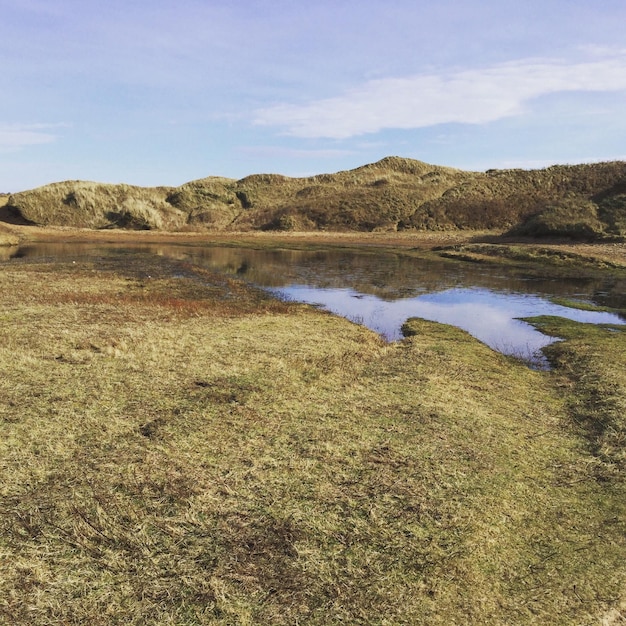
(175, 453)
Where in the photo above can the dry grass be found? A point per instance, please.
(583, 201)
(7, 236)
(186, 451)
(83, 204)
(7, 239)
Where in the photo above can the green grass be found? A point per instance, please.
(187, 451)
(582, 305)
(593, 359)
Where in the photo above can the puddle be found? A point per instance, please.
(382, 290)
(489, 316)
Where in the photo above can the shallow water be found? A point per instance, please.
(382, 290)
(489, 316)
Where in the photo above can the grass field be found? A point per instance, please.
(187, 451)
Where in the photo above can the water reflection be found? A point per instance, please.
(383, 290)
(489, 316)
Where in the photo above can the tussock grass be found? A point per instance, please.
(186, 451)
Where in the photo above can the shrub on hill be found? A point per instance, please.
(612, 211)
(572, 217)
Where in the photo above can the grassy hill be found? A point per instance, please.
(7, 237)
(580, 201)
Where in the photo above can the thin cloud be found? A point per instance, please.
(466, 97)
(17, 136)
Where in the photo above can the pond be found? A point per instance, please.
(382, 290)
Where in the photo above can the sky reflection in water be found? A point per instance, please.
(487, 315)
(383, 291)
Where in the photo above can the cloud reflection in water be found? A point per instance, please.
(489, 316)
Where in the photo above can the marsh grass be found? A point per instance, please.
(177, 448)
(583, 305)
(528, 254)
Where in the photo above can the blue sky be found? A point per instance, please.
(153, 92)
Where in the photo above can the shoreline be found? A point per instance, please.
(601, 252)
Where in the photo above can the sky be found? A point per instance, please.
(161, 92)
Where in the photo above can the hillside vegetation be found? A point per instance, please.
(580, 201)
(7, 237)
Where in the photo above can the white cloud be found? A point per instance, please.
(470, 97)
(15, 136)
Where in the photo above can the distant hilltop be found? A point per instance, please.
(579, 201)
